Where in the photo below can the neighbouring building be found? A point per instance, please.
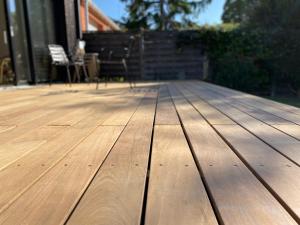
(93, 19)
(27, 27)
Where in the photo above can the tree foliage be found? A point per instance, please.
(280, 20)
(277, 23)
(237, 11)
(236, 56)
(162, 14)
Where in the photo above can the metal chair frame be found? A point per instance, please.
(119, 61)
(78, 60)
(59, 58)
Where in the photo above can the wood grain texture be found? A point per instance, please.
(63, 185)
(166, 113)
(5, 128)
(54, 140)
(209, 112)
(126, 110)
(239, 197)
(176, 193)
(293, 130)
(32, 166)
(257, 102)
(116, 194)
(282, 142)
(276, 171)
(19, 147)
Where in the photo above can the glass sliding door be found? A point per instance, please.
(42, 32)
(18, 37)
(6, 73)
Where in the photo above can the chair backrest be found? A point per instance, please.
(118, 52)
(58, 55)
(132, 40)
(79, 51)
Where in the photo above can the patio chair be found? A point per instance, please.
(118, 59)
(78, 60)
(6, 73)
(59, 58)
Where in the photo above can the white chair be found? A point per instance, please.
(59, 58)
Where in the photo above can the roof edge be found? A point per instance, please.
(105, 18)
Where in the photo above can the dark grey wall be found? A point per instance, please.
(71, 23)
(4, 48)
(155, 55)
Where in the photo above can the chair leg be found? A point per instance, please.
(97, 85)
(85, 74)
(69, 75)
(74, 75)
(77, 70)
(50, 75)
(126, 73)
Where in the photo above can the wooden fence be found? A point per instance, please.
(154, 55)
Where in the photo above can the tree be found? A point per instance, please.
(237, 11)
(278, 23)
(162, 14)
(280, 19)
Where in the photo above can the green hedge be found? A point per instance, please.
(240, 58)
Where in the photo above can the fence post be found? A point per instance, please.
(141, 51)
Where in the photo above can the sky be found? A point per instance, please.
(116, 10)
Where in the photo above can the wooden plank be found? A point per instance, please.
(282, 177)
(6, 128)
(40, 102)
(254, 102)
(260, 114)
(61, 188)
(242, 104)
(19, 147)
(271, 103)
(280, 141)
(36, 163)
(293, 130)
(176, 193)
(126, 110)
(63, 100)
(238, 196)
(71, 118)
(71, 112)
(209, 112)
(166, 113)
(116, 194)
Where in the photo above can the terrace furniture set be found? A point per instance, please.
(89, 63)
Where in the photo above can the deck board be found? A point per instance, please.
(165, 113)
(275, 170)
(258, 103)
(162, 153)
(175, 181)
(63, 186)
(117, 192)
(174, 177)
(28, 169)
(226, 175)
(19, 147)
(282, 142)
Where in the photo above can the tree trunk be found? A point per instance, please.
(163, 15)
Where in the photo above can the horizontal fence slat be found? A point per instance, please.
(154, 55)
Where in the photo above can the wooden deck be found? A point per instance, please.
(179, 153)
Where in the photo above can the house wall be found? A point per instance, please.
(71, 23)
(4, 47)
